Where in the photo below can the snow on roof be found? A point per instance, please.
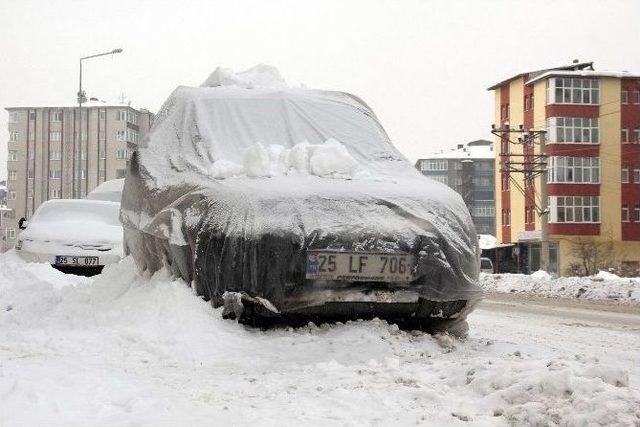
(531, 74)
(88, 104)
(586, 73)
(487, 241)
(466, 152)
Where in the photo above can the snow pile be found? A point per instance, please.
(132, 349)
(330, 159)
(261, 76)
(603, 286)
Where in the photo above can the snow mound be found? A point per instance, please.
(328, 160)
(260, 76)
(601, 287)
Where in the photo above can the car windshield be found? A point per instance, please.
(77, 210)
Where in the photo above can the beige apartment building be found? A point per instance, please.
(50, 158)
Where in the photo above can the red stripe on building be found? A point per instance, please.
(630, 158)
(574, 229)
(572, 150)
(566, 110)
(573, 189)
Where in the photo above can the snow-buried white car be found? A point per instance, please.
(74, 236)
(292, 204)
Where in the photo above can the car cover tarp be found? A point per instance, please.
(251, 233)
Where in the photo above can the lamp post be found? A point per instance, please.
(82, 98)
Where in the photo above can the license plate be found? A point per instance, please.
(360, 266)
(78, 261)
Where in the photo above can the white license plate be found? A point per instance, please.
(360, 266)
(78, 261)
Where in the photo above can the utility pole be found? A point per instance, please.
(530, 165)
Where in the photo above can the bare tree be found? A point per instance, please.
(592, 256)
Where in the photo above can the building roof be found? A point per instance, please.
(88, 104)
(479, 149)
(533, 74)
(586, 73)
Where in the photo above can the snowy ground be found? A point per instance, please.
(604, 287)
(124, 350)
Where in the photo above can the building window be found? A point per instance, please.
(103, 154)
(505, 182)
(121, 154)
(55, 173)
(506, 217)
(13, 155)
(55, 136)
(625, 213)
(637, 213)
(578, 130)
(574, 209)
(636, 176)
(122, 115)
(625, 175)
(102, 114)
(54, 154)
(457, 166)
(13, 116)
(458, 180)
(56, 116)
(121, 173)
(83, 174)
(55, 194)
(624, 135)
(483, 210)
(132, 136)
(12, 175)
(481, 181)
(30, 174)
(121, 135)
(579, 170)
(32, 115)
(636, 135)
(11, 195)
(636, 97)
(10, 233)
(624, 97)
(440, 178)
(435, 165)
(84, 135)
(565, 90)
(81, 155)
(13, 136)
(30, 193)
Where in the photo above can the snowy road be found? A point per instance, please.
(125, 350)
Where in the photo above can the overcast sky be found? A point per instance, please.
(423, 66)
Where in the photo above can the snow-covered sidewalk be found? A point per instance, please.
(601, 287)
(124, 349)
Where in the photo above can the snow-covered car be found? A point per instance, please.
(109, 190)
(80, 236)
(289, 203)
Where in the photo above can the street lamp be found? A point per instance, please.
(82, 98)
